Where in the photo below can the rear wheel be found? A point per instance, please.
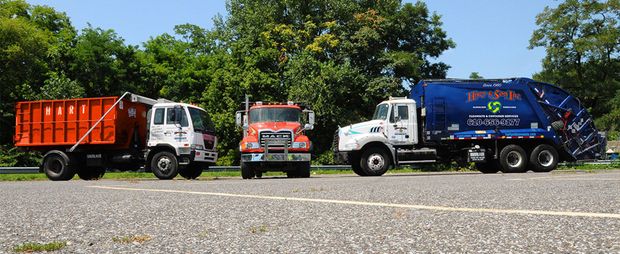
(247, 172)
(513, 159)
(57, 167)
(165, 165)
(490, 167)
(374, 162)
(91, 173)
(544, 158)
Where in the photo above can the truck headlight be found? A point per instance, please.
(198, 147)
(250, 145)
(299, 145)
(351, 146)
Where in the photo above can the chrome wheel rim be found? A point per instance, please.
(514, 159)
(163, 164)
(375, 162)
(545, 158)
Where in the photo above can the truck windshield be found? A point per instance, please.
(274, 115)
(381, 112)
(201, 121)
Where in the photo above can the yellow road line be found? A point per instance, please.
(378, 204)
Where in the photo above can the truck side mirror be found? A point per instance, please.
(239, 118)
(310, 124)
(310, 116)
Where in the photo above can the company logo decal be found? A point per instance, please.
(493, 95)
(494, 106)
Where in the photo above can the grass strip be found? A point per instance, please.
(39, 247)
(214, 175)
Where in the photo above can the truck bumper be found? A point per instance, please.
(275, 157)
(342, 157)
(205, 156)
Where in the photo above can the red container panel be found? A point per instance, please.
(53, 123)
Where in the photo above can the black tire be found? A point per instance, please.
(303, 169)
(490, 167)
(258, 173)
(165, 165)
(192, 171)
(291, 173)
(544, 158)
(57, 167)
(375, 162)
(91, 173)
(513, 159)
(357, 166)
(247, 171)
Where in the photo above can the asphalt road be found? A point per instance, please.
(499, 213)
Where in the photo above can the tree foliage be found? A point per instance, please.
(346, 53)
(475, 75)
(341, 57)
(582, 40)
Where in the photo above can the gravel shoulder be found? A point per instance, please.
(191, 220)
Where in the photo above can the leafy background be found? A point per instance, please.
(341, 56)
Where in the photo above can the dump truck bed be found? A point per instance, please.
(61, 123)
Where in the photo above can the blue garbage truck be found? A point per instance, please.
(509, 125)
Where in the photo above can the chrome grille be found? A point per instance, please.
(276, 139)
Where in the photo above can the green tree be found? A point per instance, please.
(475, 75)
(582, 41)
(58, 86)
(347, 53)
(32, 43)
(102, 63)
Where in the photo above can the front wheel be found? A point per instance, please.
(513, 159)
(544, 158)
(303, 169)
(357, 166)
(192, 171)
(375, 162)
(165, 165)
(247, 172)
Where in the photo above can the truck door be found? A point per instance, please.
(177, 125)
(401, 125)
(156, 131)
(169, 126)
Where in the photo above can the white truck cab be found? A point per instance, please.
(393, 123)
(187, 131)
(371, 147)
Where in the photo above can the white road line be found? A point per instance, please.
(378, 204)
(581, 179)
(572, 177)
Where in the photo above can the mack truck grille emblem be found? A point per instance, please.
(276, 139)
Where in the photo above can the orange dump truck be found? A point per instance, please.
(88, 135)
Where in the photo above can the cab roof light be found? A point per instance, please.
(259, 103)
